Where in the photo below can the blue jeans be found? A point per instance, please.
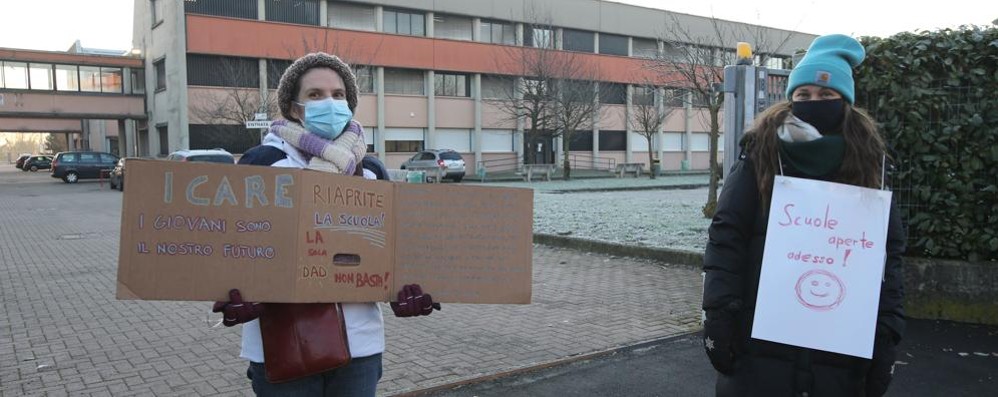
(357, 379)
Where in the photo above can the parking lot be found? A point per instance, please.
(63, 332)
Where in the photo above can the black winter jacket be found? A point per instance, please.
(732, 263)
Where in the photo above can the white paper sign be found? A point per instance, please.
(822, 266)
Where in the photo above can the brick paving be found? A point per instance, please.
(63, 333)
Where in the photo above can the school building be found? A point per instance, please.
(427, 71)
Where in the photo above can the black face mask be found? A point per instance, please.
(825, 115)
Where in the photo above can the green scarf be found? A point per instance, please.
(817, 158)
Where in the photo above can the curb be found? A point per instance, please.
(542, 366)
(691, 259)
(632, 188)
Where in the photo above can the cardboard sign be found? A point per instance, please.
(193, 231)
(822, 266)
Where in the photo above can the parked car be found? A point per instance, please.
(450, 161)
(117, 178)
(35, 163)
(19, 164)
(203, 155)
(73, 166)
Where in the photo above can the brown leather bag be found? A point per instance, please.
(302, 339)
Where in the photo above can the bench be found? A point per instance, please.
(540, 169)
(636, 168)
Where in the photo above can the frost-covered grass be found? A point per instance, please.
(607, 183)
(653, 218)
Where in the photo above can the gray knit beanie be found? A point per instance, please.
(287, 91)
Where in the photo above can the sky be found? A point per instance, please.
(54, 25)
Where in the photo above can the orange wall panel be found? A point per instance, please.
(455, 112)
(405, 111)
(367, 110)
(261, 39)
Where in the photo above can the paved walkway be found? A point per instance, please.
(62, 331)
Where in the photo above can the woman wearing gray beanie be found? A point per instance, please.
(817, 134)
(317, 97)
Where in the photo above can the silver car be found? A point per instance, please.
(446, 159)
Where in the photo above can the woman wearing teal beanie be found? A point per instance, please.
(817, 134)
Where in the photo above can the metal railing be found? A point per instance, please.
(512, 163)
(590, 162)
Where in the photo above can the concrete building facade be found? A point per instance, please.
(429, 72)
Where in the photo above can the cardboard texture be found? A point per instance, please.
(193, 231)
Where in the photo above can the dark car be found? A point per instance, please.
(117, 178)
(35, 163)
(73, 166)
(19, 164)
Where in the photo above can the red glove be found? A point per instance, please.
(413, 302)
(235, 311)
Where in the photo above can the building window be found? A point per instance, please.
(452, 27)
(581, 141)
(672, 141)
(578, 91)
(497, 87)
(612, 140)
(219, 71)
(537, 36)
(403, 146)
(456, 139)
(15, 75)
(40, 75)
(497, 32)
(157, 9)
(305, 12)
(497, 141)
(164, 140)
(673, 53)
(577, 40)
(641, 48)
(613, 93)
(404, 22)
(231, 137)
(612, 44)
(110, 80)
(675, 97)
(275, 69)
(160, 69)
(224, 8)
(404, 81)
(643, 96)
(404, 139)
(365, 78)
(450, 84)
(138, 81)
(67, 78)
(351, 16)
(90, 79)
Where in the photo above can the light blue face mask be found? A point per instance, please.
(326, 117)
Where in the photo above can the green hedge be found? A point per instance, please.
(936, 97)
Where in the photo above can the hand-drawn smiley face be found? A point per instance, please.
(820, 290)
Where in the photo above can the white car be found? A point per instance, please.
(446, 159)
(203, 155)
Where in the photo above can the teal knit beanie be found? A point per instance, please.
(828, 63)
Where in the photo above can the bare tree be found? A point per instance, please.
(694, 59)
(55, 143)
(649, 111)
(556, 96)
(238, 99)
(18, 143)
